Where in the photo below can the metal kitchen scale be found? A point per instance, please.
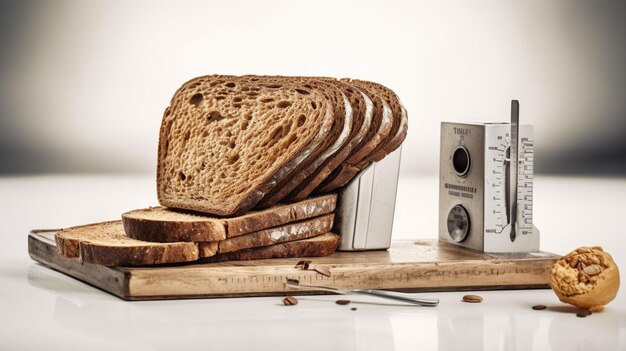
(485, 192)
(486, 186)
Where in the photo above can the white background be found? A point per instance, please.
(84, 83)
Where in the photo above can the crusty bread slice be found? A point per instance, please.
(380, 129)
(362, 110)
(400, 121)
(225, 141)
(319, 246)
(289, 232)
(337, 138)
(161, 224)
(107, 244)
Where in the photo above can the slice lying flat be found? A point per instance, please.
(288, 232)
(107, 244)
(319, 246)
(162, 224)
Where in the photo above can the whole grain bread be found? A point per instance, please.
(289, 232)
(380, 129)
(106, 244)
(319, 246)
(362, 110)
(337, 137)
(400, 120)
(161, 224)
(226, 141)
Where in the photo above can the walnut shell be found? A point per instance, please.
(586, 277)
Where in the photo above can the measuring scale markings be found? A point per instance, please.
(498, 215)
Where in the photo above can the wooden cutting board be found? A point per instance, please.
(423, 265)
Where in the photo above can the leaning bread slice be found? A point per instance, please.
(289, 232)
(338, 136)
(107, 244)
(319, 246)
(400, 121)
(226, 141)
(161, 224)
(362, 110)
(379, 131)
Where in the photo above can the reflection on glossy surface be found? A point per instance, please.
(46, 310)
(598, 331)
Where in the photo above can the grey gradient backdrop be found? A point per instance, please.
(84, 83)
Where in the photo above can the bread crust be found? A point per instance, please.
(160, 224)
(138, 225)
(400, 120)
(289, 232)
(319, 246)
(106, 244)
(281, 214)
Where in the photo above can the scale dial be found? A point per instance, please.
(458, 223)
(498, 209)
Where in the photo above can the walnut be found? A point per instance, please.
(586, 277)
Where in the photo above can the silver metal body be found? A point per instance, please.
(371, 292)
(489, 207)
(366, 205)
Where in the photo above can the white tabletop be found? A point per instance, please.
(44, 309)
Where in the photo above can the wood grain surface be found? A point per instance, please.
(422, 265)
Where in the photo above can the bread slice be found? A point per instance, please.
(225, 141)
(400, 121)
(161, 224)
(337, 138)
(380, 129)
(289, 232)
(319, 246)
(362, 110)
(107, 244)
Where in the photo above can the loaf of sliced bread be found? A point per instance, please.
(319, 246)
(107, 244)
(289, 232)
(162, 224)
(226, 141)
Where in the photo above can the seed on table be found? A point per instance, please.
(323, 270)
(583, 313)
(342, 302)
(303, 265)
(539, 307)
(353, 308)
(290, 301)
(472, 298)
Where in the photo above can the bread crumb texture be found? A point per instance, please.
(223, 137)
